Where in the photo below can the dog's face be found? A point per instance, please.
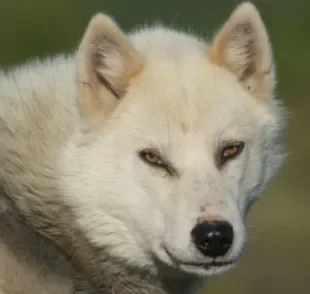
(167, 176)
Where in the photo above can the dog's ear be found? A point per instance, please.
(106, 63)
(242, 46)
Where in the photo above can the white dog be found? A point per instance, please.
(141, 156)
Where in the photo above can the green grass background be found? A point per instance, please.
(278, 255)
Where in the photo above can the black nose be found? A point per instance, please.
(213, 239)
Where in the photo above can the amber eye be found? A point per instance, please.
(151, 157)
(231, 151)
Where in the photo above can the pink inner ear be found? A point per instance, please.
(106, 62)
(242, 47)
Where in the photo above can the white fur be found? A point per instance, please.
(182, 103)
(133, 209)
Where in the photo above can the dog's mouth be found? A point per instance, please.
(198, 268)
(206, 265)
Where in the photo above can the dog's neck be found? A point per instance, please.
(108, 275)
(30, 262)
(116, 279)
(127, 283)
(95, 272)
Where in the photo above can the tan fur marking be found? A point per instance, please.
(106, 64)
(242, 47)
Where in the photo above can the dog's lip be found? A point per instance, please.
(206, 265)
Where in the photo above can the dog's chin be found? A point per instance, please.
(167, 259)
(205, 270)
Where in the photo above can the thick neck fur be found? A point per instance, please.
(30, 263)
(108, 275)
(101, 273)
(104, 274)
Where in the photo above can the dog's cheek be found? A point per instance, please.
(248, 204)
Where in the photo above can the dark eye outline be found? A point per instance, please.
(222, 159)
(161, 163)
(153, 153)
(143, 154)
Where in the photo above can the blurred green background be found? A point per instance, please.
(278, 255)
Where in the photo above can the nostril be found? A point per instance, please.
(213, 239)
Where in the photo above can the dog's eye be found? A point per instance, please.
(152, 157)
(231, 151)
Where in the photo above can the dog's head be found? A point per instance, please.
(179, 138)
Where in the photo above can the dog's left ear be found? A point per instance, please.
(106, 64)
(242, 46)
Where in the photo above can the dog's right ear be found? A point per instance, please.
(106, 63)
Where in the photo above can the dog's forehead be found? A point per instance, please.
(191, 93)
